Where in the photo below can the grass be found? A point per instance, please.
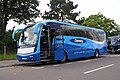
(7, 57)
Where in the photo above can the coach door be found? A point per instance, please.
(58, 45)
(59, 38)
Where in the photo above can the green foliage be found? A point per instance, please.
(101, 22)
(8, 56)
(60, 10)
(0, 20)
(21, 11)
(8, 42)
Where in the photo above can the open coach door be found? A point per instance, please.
(45, 43)
(59, 45)
(51, 42)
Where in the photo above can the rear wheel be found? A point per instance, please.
(97, 54)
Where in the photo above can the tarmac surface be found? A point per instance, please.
(8, 63)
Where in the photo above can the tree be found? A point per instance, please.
(60, 10)
(22, 11)
(101, 22)
(0, 20)
(10, 44)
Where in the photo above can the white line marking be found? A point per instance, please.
(101, 58)
(84, 61)
(98, 69)
(95, 59)
(56, 65)
(68, 63)
(38, 67)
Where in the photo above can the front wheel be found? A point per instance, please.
(97, 55)
(65, 58)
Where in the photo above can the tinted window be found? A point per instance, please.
(82, 32)
(74, 31)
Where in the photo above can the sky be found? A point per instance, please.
(109, 8)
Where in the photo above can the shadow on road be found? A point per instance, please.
(46, 63)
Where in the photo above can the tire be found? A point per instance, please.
(97, 55)
(65, 58)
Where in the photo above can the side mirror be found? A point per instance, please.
(16, 34)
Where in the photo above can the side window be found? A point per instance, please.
(101, 35)
(82, 32)
(95, 35)
(89, 34)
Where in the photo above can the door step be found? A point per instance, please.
(46, 60)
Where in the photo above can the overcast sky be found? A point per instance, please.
(109, 8)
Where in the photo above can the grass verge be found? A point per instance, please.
(7, 57)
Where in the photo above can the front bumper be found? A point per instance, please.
(114, 51)
(32, 57)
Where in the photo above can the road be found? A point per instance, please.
(106, 67)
